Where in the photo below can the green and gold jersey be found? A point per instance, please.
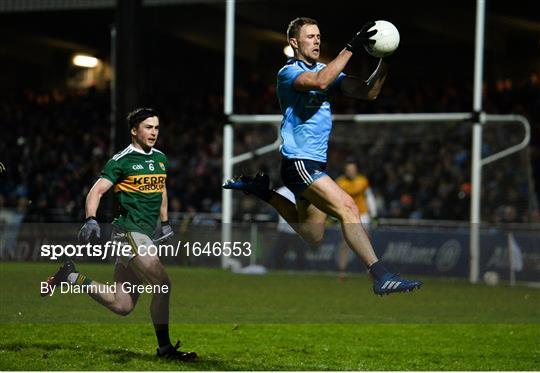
(139, 181)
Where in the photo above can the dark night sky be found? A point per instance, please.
(436, 37)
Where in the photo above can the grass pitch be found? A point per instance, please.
(279, 321)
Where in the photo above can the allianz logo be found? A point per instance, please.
(137, 167)
(444, 257)
(324, 252)
(406, 252)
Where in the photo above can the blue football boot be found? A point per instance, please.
(258, 185)
(393, 283)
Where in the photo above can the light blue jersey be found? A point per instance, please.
(307, 118)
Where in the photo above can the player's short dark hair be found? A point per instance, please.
(296, 24)
(138, 115)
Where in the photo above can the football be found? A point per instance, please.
(386, 39)
(491, 278)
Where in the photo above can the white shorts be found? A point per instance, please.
(365, 218)
(139, 243)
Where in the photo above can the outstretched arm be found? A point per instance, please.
(322, 79)
(368, 89)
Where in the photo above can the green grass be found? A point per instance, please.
(279, 321)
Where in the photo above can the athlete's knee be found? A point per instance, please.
(315, 239)
(348, 211)
(122, 309)
(164, 280)
(158, 275)
(312, 234)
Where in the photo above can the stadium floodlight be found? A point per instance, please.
(288, 51)
(82, 60)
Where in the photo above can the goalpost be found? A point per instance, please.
(477, 116)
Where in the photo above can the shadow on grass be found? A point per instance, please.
(23, 346)
(123, 355)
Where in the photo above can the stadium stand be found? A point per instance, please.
(56, 144)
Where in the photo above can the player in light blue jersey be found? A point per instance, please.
(307, 118)
(305, 88)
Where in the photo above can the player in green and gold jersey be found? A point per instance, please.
(138, 174)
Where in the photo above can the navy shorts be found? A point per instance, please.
(298, 174)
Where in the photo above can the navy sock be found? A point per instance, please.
(377, 270)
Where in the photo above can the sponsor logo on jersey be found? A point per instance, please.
(162, 166)
(142, 184)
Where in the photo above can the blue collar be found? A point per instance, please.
(292, 60)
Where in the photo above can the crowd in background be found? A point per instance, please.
(54, 144)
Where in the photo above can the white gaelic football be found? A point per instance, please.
(386, 39)
(491, 278)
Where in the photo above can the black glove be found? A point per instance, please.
(164, 232)
(362, 38)
(90, 226)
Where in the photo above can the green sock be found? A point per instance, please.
(79, 279)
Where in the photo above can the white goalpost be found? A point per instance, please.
(477, 116)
